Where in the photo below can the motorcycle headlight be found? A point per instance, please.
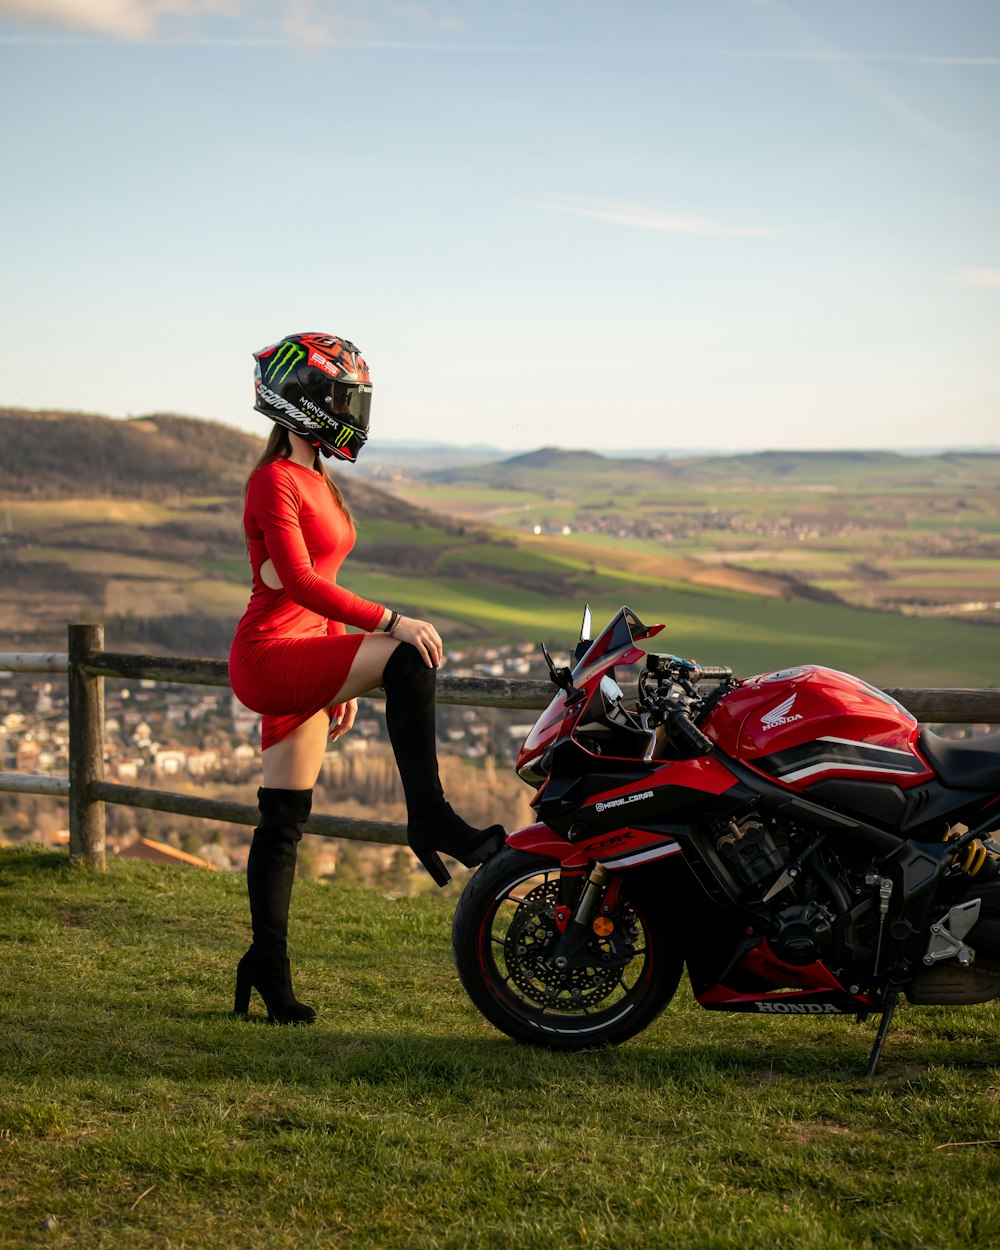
(535, 771)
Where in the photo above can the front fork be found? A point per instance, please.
(592, 914)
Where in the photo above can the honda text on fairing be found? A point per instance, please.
(793, 838)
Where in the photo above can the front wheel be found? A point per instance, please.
(502, 938)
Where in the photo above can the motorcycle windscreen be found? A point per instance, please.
(618, 635)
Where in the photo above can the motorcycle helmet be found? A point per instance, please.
(318, 386)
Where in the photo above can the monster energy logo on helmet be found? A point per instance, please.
(285, 359)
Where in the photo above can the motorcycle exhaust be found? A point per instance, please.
(950, 985)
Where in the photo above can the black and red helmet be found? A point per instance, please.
(318, 386)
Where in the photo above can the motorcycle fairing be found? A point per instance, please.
(771, 986)
(793, 1002)
(920, 812)
(828, 756)
(624, 848)
(620, 634)
(590, 789)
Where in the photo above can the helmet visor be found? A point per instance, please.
(349, 405)
(346, 401)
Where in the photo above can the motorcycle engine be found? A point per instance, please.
(802, 933)
(805, 915)
(753, 852)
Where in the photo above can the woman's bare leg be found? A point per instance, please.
(367, 668)
(294, 762)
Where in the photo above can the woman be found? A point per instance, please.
(293, 660)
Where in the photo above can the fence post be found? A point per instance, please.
(86, 747)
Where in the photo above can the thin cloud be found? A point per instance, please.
(857, 73)
(134, 20)
(834, 56)
(640, 218)
(979, 277)
(334, 21)
(289, 21)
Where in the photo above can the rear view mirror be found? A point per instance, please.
(583, 646)
(585, 625)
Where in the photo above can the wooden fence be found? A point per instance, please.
(87, 665)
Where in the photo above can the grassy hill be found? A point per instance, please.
(139, 1114)
(138, 523)
(533, 470)
(917, 536)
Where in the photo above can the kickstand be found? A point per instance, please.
(889, 1005)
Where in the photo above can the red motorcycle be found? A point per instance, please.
(794, 838)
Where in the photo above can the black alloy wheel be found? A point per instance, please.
(503, 935)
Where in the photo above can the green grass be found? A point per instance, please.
(134, 1112)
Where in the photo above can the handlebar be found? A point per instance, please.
(714, 672)
(685, 670)
(681, 722)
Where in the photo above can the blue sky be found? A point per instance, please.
(693, 223)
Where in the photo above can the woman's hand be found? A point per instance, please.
(344, 717)
(423, 636)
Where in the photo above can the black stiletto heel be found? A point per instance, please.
(273, 982)
(469, 846)
(431, 860)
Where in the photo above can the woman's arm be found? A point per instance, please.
(275, 502)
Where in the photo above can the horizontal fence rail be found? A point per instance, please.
(506, 692)
(87, 664)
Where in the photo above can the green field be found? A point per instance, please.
(751, 634)
(910, 535)
(493, 586)
(134, 1112)
(733, 553)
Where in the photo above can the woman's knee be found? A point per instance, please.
(368, 665)
(405, 664)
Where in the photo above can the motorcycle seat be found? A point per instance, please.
(971, 764)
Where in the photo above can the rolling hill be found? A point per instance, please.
(552, 466)
(137, 523)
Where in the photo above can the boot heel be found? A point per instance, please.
(244, 986)
(432, 862)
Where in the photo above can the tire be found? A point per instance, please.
(499, 946)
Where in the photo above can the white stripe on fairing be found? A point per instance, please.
(833, 767)
(869, 746)
(655, 852)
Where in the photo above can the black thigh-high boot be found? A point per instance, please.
(270, 873)
(431, 825)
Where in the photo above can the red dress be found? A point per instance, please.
(291, 653)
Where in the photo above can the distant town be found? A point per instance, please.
(180, 737)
